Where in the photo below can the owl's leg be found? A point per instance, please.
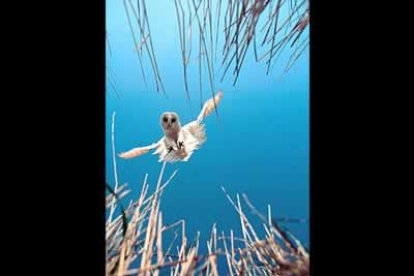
(170, 145)
(180, 140)
(180, 144)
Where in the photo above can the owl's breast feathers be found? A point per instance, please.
(194, 136)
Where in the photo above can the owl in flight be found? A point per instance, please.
(179, 142)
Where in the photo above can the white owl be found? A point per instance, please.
(178, 143)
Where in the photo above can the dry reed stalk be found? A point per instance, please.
(111, 212)
(149, 239)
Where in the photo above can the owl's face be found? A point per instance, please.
(170, 120)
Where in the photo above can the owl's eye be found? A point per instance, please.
(165, 119)
(173, 120)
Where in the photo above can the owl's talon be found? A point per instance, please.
(180, 144)
(170, 149)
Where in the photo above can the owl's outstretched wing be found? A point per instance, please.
(209, 106)
(194, 133)
(138, 151)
